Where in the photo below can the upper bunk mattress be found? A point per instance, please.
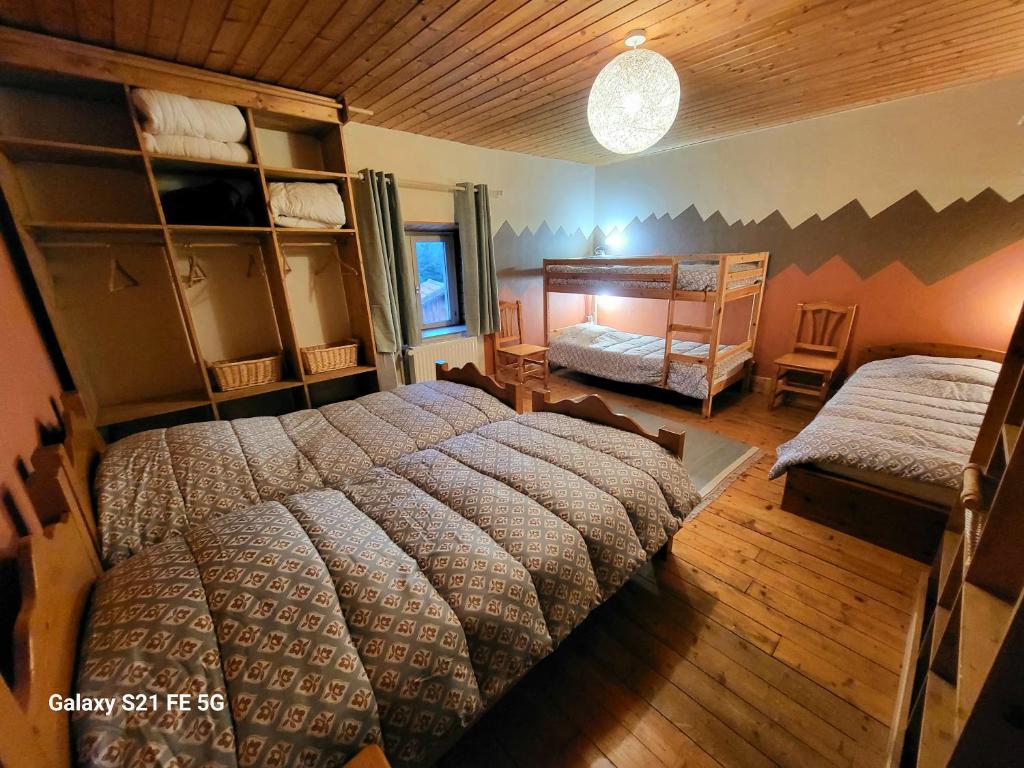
(162, 481)
(913, 417)
(692, 276)
(393, 610)
(636, 359)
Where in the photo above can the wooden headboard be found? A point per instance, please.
(55, 572)
(929, 348)
(593, 408)
(510, 393)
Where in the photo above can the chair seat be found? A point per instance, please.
(522, 350)
(807, 362)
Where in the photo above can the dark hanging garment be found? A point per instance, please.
(217, 203)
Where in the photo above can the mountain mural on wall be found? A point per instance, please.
(931, 244)
(522, 254)
(955, 274)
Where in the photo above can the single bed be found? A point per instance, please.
(884, 458)
(391, 606)
(637, 359)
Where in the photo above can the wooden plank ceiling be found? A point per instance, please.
(515, 74)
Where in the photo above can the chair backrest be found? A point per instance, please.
(823, 328)
(511, 316)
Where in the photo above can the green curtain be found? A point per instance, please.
(479, 276)
(390, 273)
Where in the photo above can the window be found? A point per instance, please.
(437, 275)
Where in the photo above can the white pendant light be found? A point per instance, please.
(634, 99)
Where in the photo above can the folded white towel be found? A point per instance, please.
(291, 221)
(300, 200)
(176, 115)
(200, 149)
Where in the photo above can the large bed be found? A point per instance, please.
(634, 358)
(884, 458)
(374, 572)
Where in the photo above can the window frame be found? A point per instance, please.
(448, 234)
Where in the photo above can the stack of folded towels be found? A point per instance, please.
(303, 204)
(173, 124)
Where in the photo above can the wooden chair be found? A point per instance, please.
(522, 362)
(820, 337)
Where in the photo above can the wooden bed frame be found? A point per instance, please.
(893, 520)
(600, 282)
(56, 568)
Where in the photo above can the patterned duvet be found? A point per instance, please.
(635, 359)
(910, 417)
(160, 482)
(393, 607)
(696, 276)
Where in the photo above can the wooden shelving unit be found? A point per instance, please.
(968, 704)
(343, 373)
(86, 200)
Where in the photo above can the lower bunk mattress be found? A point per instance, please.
(393, 607)
(635, 359)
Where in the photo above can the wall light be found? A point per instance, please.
(615, 241)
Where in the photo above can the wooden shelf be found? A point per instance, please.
(204, 229)
(173, 163)
(302, 174)
(341, 373)
(255, 391)
(92, 226)
(46, 151)
(313, 231)
(1010, 435)
(122, 412)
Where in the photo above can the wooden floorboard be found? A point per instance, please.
(765, 639)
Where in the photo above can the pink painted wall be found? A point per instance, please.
(27, 384)
(564, 309)
(977, 305)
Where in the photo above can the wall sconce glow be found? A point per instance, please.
(605, 301)
(634, 99)
(615, 241)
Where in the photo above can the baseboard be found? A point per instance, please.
(760, 383)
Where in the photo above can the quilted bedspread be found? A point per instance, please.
(635, 359)
(393, 608)
(691, 276)
(913, 417)
(156, 483)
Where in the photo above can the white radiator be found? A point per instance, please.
(456, 352)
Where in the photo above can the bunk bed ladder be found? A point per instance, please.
(670, 326)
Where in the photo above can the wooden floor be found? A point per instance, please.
(763, 639)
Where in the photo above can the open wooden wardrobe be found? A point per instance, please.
(173, 287)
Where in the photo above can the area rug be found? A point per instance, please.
(714, 463)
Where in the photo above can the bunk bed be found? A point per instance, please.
(699, 369)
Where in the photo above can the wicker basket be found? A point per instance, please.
(330, 357)
(246, 371)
